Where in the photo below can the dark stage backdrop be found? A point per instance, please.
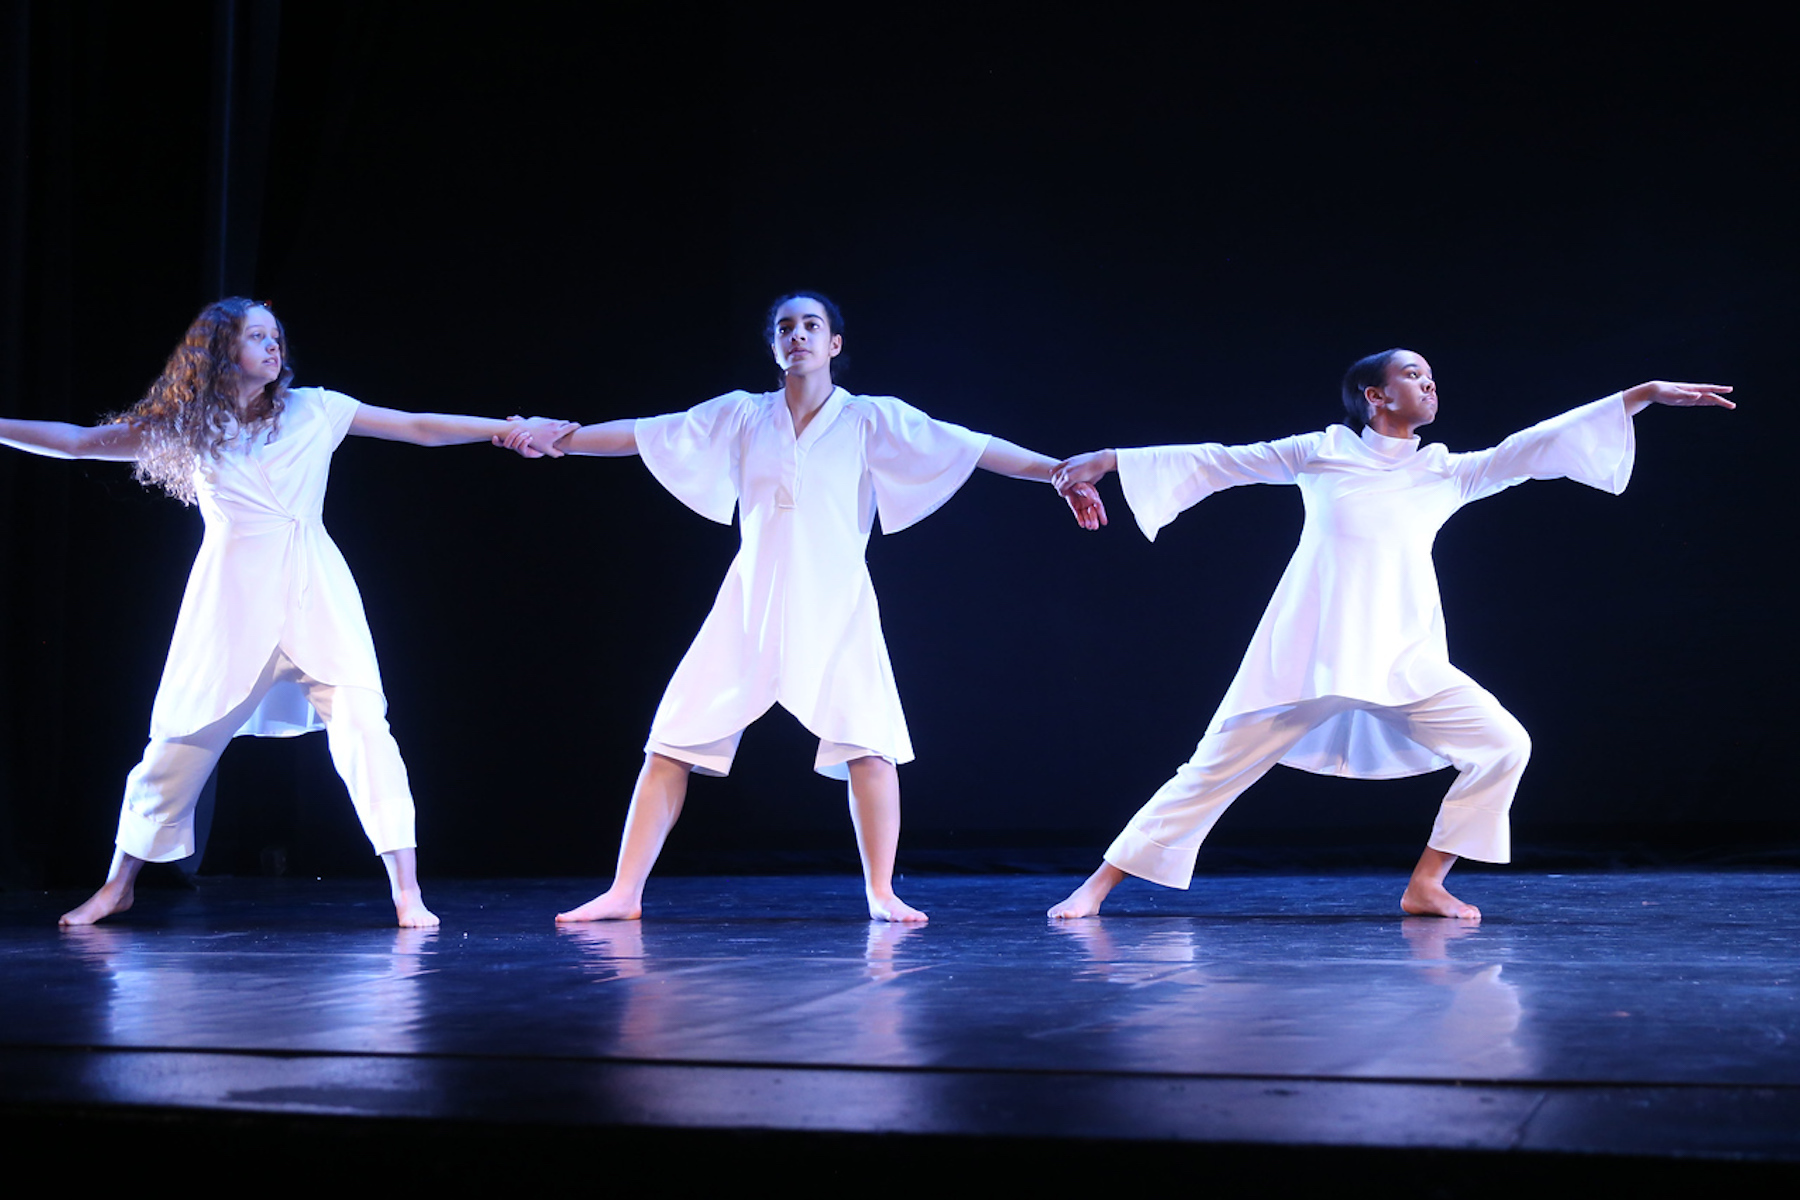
(1116, 230)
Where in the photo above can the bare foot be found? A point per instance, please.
(1085, 900)
(890, 907)
(114, 896)
(410, 908)
(605, 907)
(1428, 898)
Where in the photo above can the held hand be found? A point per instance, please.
(1085, 503)
(1681, 395)
(543, 436)
(516, 439)
(1083, 468)
(536, 437)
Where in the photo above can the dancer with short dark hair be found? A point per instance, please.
(808, 468)
(1349, 672)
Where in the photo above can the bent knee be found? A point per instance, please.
(1511, 745)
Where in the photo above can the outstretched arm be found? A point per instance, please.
(444, 429)
(1089, 468)
(1681, 395)
(117, 442)
(1588, 444)
(1015, 462)
(611, 439)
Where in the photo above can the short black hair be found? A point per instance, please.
(1364, 373)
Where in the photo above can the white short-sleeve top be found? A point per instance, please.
(267, 576)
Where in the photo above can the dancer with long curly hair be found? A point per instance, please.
(271, 638)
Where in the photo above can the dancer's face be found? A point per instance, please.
(1409, 396)
(803, 341)
(259, 348)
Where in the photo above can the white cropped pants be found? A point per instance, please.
(715, 758)
(156, 822)
(1465, 725)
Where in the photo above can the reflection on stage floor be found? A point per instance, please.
(1630, 1013)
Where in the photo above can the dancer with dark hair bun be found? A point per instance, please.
(1349, 672)
(271, 638)
(807, 468)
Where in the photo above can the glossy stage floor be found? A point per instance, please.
(1597, 1026)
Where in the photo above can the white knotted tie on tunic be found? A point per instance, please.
(267, 576)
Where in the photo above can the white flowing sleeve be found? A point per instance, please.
(1161, 482)
(915, 462)
(695, 454)
(1593, 444)
(340, 410)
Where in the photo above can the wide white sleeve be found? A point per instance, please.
(1593, 444)
(1161, 482)
(695, 454)
(915, 461)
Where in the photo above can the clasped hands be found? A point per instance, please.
(1074, 480)
(536, 437)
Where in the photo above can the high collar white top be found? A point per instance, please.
(1357, 613)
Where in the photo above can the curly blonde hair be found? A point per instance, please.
(191, 412)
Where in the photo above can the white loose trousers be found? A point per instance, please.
(156, 821)
(1465, 726)
(715, 758)
(1349, 670)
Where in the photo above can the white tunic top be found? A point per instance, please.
(795, 621)
(1357, 614)
(267, 576)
